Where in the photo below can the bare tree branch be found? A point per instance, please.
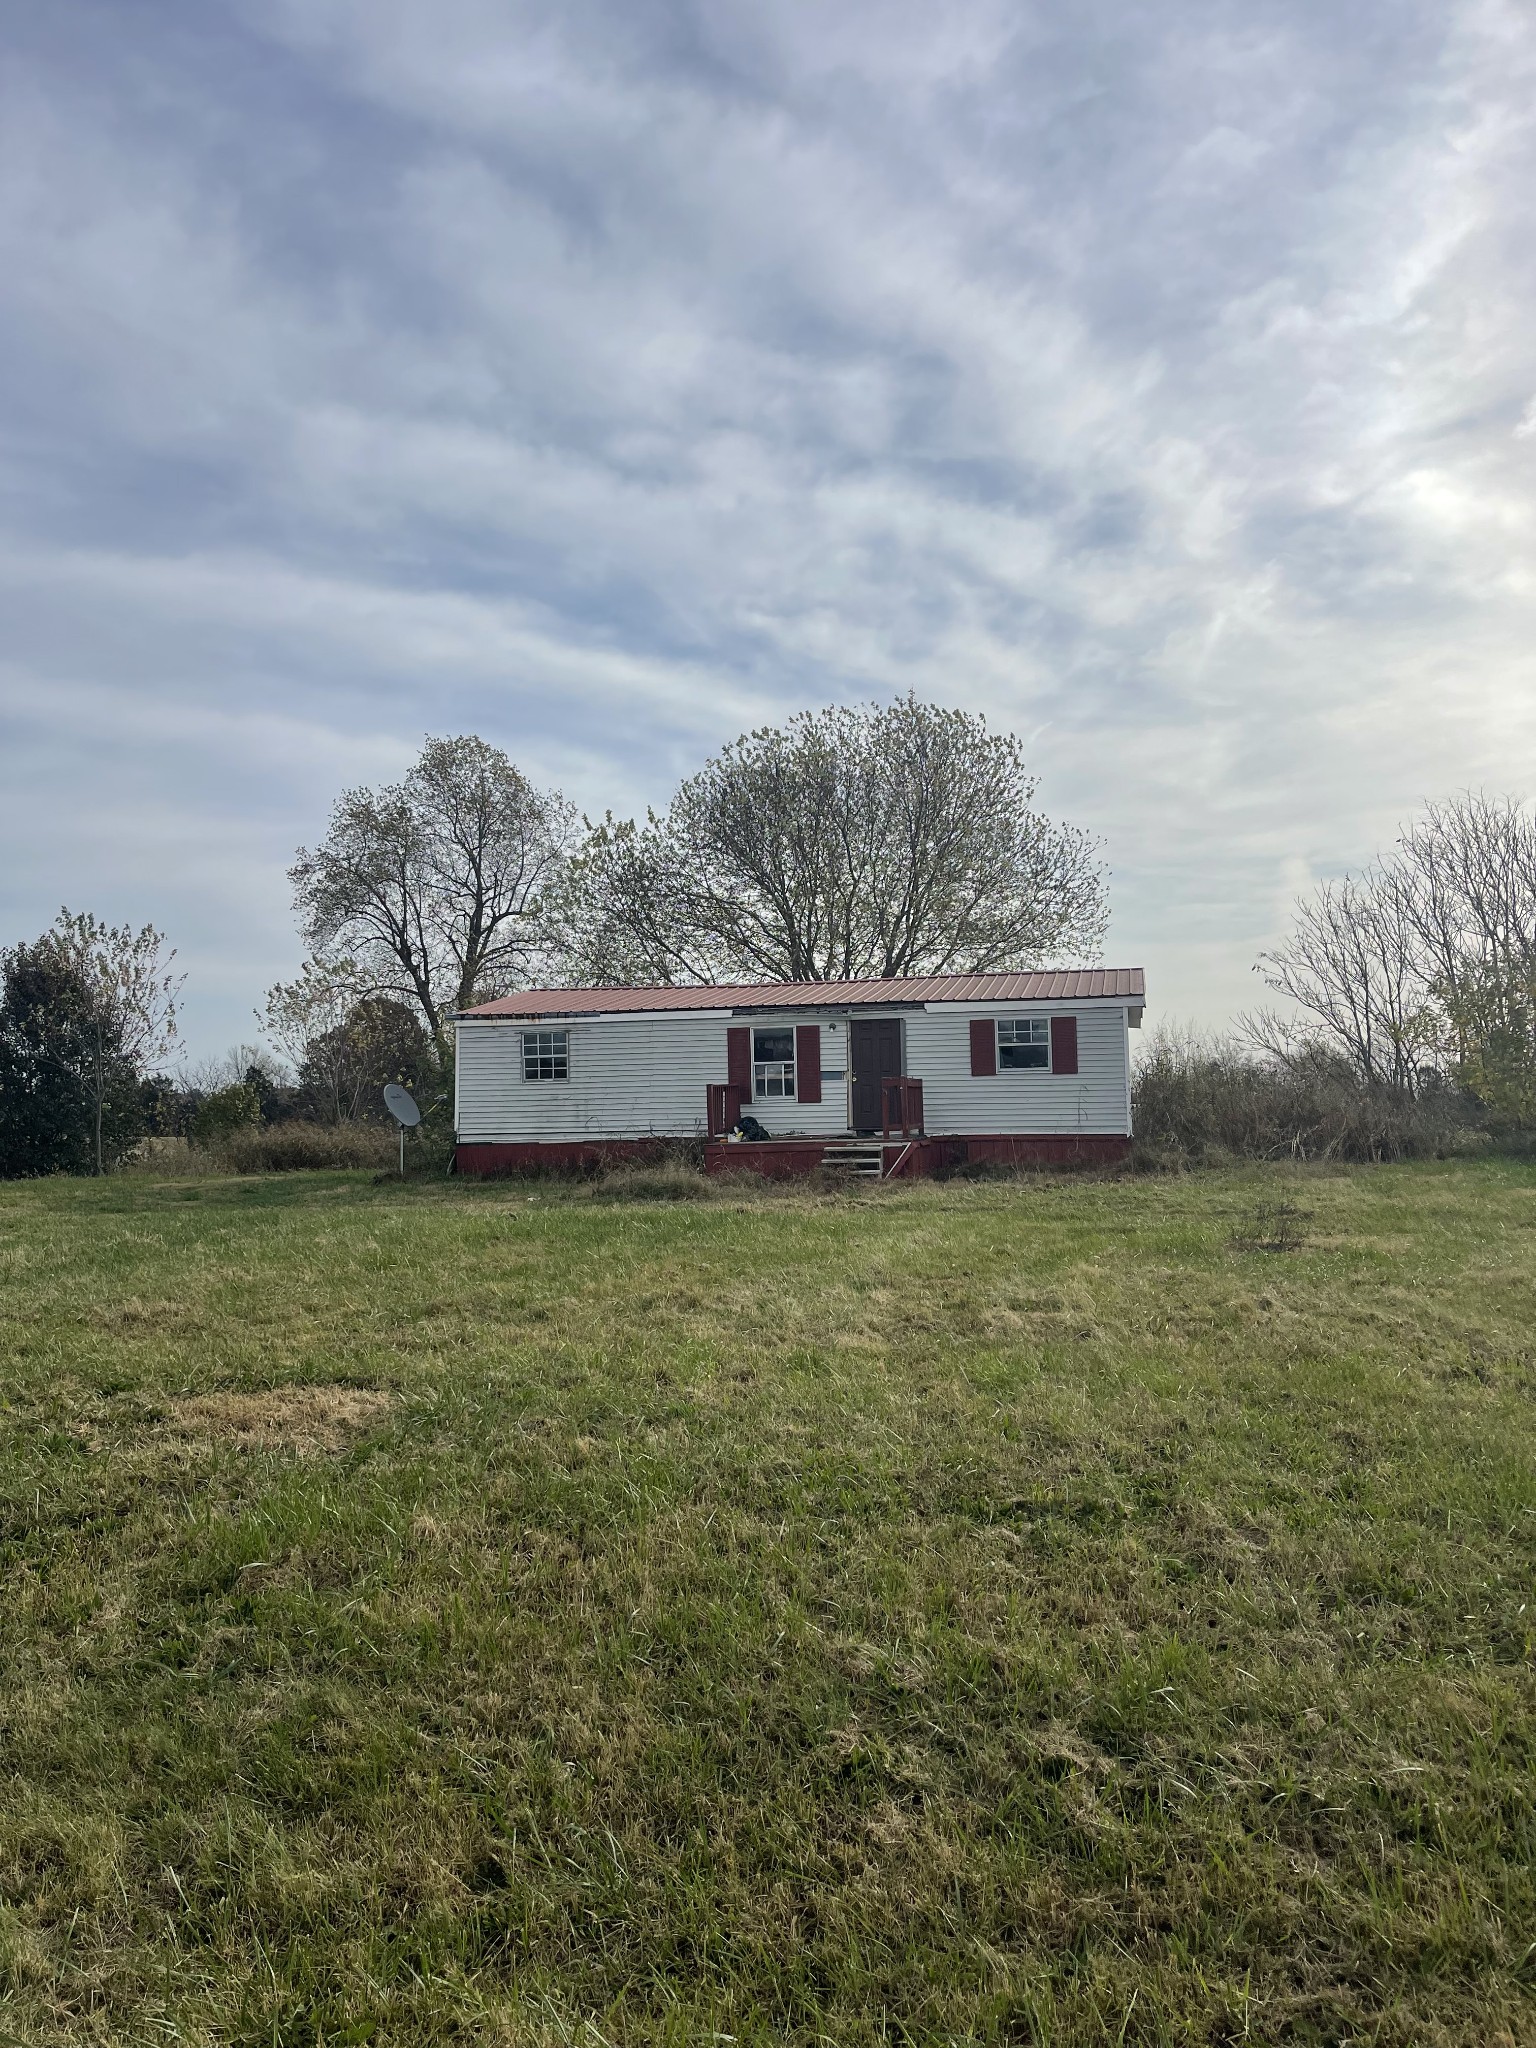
(1395, 967)
(875, 841)
(444, 888)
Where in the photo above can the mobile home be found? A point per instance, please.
(880, 1077)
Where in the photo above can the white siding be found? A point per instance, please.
(637, 1076)
(629, 1077)
(1028, 1102)
(825, 1119)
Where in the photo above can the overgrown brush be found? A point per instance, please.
(1205, 1101)
(296, 1147)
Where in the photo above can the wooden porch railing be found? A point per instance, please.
(725, 1103)
(901, 1101)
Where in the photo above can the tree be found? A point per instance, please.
(1414, 970)
(874, 841)
(85, 1011)
(1353, 963)
(440, 889)
(345, 1040)
(45, 1117)
(1493, 1015)
(166, 1106)
(225, 1111)
(312, 1007)
(344, 1070)
(277, 1101)
(1468, 878)
(131, 1015)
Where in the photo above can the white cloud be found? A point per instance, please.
(609, 378)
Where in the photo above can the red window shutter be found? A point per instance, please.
(983, 1046)
(738, 1061)
(808, 1062)
(1063, 1045)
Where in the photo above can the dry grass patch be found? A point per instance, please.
(671, 1181)
(309, 1420)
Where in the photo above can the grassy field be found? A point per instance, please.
(972, 1613)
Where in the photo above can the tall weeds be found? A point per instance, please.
(295, 1147)
(1203, 1101)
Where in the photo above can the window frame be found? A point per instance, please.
(1039, 1029)
(558, 1057)
(784, 1070)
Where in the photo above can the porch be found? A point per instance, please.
(897, 1114)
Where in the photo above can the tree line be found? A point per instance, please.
(1412, 1026)
(874, 840)
(851, 843)
(1420, 972)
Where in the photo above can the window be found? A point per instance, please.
(773, 1064)
(546, 1056)
(1023, 1042)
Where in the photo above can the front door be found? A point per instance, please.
(874, 1054)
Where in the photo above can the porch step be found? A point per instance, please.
(858, 1161)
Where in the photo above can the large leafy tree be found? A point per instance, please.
(440, 889)
(85, 1011)
(45, 1114)
(868, 841)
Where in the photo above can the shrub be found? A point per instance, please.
(1200, 1102)
(220, 1115)
(297, 1147)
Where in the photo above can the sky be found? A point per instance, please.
(610, 377)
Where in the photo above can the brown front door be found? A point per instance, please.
(874, 1053)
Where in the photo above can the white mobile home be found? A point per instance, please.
(883, 1076)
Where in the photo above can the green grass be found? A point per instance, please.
(976, 1613)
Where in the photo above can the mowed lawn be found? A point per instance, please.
(992, 1612)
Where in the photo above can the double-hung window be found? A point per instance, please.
(1023, 1042)
(546, 1055)
(773, 1064)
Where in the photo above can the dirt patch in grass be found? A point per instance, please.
(310, 1420)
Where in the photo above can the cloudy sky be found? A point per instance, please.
(606, 377)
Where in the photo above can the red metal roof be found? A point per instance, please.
(1045, 985)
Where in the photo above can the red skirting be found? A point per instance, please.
(590, 1155)
(1081, 1149)
(781, 1158)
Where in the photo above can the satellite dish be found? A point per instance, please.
(397, 1101)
